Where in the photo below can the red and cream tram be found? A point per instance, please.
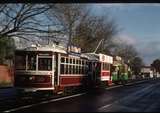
(99, 66)
(49, 68)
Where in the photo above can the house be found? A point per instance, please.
(147, 72)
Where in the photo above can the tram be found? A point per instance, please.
(120, 71)
(99, 68)
(51, 68)
(48, 68)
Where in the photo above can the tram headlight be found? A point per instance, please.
(32, 78)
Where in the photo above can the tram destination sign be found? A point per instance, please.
(74, 50)
(105, 58)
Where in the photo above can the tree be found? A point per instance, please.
(93, 29)
(6, 49)
(130, 56)
(136, 65)
(126, 51)
(21, 20)
(156, 65)
(67, 17)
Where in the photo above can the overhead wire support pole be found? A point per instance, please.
(98, 45)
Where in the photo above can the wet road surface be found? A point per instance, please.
(144, 97)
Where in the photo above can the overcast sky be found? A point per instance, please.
(140, 24)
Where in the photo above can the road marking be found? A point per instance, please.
(114, 87)
(106, 106)
(125, 98)
(126, 84)
(43, 102)
(136, 82)
(62, 98)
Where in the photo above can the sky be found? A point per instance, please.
(140, 24)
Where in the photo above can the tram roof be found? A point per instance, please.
(53, 48)
(98, 57)
(91, 56)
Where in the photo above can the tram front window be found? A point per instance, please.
(45, 64)
(20, 62)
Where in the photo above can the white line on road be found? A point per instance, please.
(136, 82)
(126, 97)
(106, 106)
(114, 87)
(44, 102)
(62, 98)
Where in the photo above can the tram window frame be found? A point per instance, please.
(76, 61)
(66, 60)
(70, 60)
(62, 68)
(28, 62)
(20, 62)
(80, 69)
(70, 69)
(82, 62)
(73, 67)
(106, 66)
(62, 59)
(109, 66)
(65, 68)
(103, 66)
(45, 66)
(83, 70)
(76, 69)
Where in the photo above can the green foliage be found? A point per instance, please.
(156, 65)
(7, 47)
(136, 65)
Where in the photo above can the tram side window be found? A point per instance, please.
(20, 62)
(62, 69)
(62, 59)
(31, 62)
(106, 66)
(86, 69)
(66, 60)
(65, 69)
(70, 69)
(76, 69)
(45, 64)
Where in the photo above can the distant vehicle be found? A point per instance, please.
(147, 72)
(120, 71)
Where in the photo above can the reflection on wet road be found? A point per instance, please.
(138, 97)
